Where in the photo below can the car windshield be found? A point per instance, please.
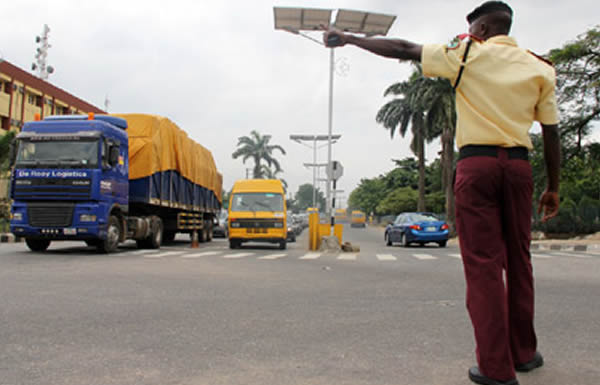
(257, 202)
(423, 218)
(62, 153)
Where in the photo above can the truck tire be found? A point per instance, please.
(37, 244)
(113, 234)
(154, 241)
(209, 231)
(282, 245)
(233, 244)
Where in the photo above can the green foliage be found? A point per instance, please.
(399, 200)
(304, 198)
(577, 66)
(5, 142)
(257, 148)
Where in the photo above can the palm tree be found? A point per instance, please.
(257, 147)
(409, 109)
(439, 101)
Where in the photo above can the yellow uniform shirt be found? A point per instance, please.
(503, 89)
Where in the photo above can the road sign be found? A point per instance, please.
(335, 171)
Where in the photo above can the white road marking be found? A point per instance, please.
(164, 254)
(202, 254)
(347, 257)
(311, 256)
(541, 256)
(386, 257)
(456, 256)
(424, 256)
(238, 255)
(273, 256)
(573, 255)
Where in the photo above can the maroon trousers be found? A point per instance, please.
(493, 219)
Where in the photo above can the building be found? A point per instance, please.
(23, 95)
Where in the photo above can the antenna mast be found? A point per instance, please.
(43, 70)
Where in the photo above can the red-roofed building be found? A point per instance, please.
(23, 95)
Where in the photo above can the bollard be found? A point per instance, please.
(194, 239)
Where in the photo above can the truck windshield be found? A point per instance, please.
(257, 202)
(57, 153)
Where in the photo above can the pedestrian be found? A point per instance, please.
(501, 89)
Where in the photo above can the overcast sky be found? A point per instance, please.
(219, 69)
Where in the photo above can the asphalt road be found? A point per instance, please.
(260, 315)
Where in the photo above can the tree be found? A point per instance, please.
(304, 198)
(257, 148)
(577, 66)
(409, 109)
(5, 142)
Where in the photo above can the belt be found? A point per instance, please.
(482, 150)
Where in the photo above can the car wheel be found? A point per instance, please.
(388, 241)
(442, 243)
(405, 241)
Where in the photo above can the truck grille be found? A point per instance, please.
(56, 215)
(259, 223)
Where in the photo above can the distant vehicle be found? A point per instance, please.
(358, 219)
(341, 216)
(418, 228)
(257, 212)
(220, 227)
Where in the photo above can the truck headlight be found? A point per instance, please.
(235, 224)
(87, 218)
(278, 225)
(18, 217)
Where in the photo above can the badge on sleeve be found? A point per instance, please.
(454, 43)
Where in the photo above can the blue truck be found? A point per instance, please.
(104, 179)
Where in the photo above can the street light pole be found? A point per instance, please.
(330, 128)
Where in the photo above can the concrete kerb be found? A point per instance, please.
(9, 238)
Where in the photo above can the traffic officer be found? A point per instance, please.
(501, 89)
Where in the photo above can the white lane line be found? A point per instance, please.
(311, 256)
(541, 256)
(424, 257)
(238, 255)
(386, 257)
(199, 255)
(573, 255)
(455, 256)
(347, 257)
(273, 256)
(141, 251)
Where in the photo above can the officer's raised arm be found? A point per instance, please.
(390, 48)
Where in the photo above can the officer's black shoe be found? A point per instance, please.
(478, 378)
(536, 362)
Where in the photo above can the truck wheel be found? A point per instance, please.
(156, 237)
(234, 244)
(37, 244)
(113, 234)
(209, 231)
(282, 245)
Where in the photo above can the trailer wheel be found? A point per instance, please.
(37, 244)
(154, 241)
(113, 234)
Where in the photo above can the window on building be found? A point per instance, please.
(5, 123)
(30, 99)
(38, 101)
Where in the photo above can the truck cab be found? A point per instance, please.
(70, 182)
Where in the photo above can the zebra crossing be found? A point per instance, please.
(266, 255)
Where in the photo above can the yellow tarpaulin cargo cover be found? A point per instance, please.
(156, 144)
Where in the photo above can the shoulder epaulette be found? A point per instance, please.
(542, 59)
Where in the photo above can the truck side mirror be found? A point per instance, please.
(113, 157)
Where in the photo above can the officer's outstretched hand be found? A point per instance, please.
(549, 204)
(333, 38)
